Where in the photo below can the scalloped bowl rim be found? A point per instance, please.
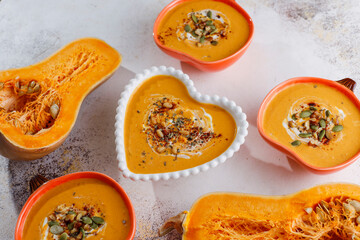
(289, 152)
(223, 102)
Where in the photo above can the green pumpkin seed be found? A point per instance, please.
(327, 113)
(209, 14)
(305, 135)
(94, 226)
(337, 128)
(52, 223)
(313, 108)
(1, 85)
(54, 110)
(321, 135)
(305, 114)
(83, 233)
(98, 220)
(187, 28)
(64, 236)
(194, 34)
(71, 212)
(209, 23)
(194, 18)
(322, 123)
(214, 43)
(70, 226)
(202, 39)
(56, 229)
(293, 117)
(213, 27)
(296, 143)
(86, 220)
(314, 127)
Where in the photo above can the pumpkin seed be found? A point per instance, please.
(349, 210)
(358, 220)
(70, 226)
(209, 14)
(296, 143)
(167, 105)
(194, 34)
(322, 123)
(187, 28)
(314, 127)
(159, 133)
(325, 206)
(52, 223)
(86, 220)
(214, 43)
(305, 114)
(209, 23)
(321, 135)
(294, 117)
(308, 210)
(56, 229)
(54, 110)
(194, 18)
(37, 88)
(1, 85)
(329, 135)
(161, 149)
(64, 236)
(98, 220)
(337, 128)
(202, 39)
(94, 226)
(305, 135)
(82, 233)
(327, 113)
(355, 204)
(321, 214)
(32, 84)
(313, 108)
(17, 84)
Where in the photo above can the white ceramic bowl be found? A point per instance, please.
(230, 106)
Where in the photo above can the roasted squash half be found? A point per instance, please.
(39, 103)
(329, 211)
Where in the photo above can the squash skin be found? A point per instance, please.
(16, 145)
(276, 208)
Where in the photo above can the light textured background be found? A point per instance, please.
(292, 38)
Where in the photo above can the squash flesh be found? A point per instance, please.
(239, 216)
(65, 78)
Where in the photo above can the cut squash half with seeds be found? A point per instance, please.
(39, 103)
(324, 212)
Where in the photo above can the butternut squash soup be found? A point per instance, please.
(318, 122)
(207, 30)
(166, 130)
(84, 208)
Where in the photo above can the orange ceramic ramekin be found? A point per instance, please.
(345, 86)
(58, 181)
(204, 65)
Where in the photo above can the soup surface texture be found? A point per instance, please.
(318, 122)
(81, 194)
(166, 130)
(204, 29)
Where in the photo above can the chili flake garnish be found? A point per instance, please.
(69, 222)
(203, 27)
(314, 124)
(172, 129)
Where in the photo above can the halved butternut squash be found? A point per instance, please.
(39, 103)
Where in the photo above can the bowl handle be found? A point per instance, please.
(36, 182)
(347, 82)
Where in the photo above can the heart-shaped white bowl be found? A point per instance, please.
(230, 106)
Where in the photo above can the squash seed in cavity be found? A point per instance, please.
(70, 226)
(194, 18)
(187, 28)
(82, 233)
(327, 113)
(305, 114)
(322, 123)
(64, 236)
(1, 85)
(209, 14)
(337, 128)
(209, 23)
(314, 127)
(54, 110)
(37, 88)
(305, 135)
(308, 210)
(94, 226)
(52, 223)
(98, 220)
(321, 135)
(56, 229)
(313, 108)
(86, 220)
(296, 143)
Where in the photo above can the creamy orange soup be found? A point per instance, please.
(318, 122)
(166, 130)
(105, 203)
(205, 29)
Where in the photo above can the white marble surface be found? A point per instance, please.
(292, 38)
